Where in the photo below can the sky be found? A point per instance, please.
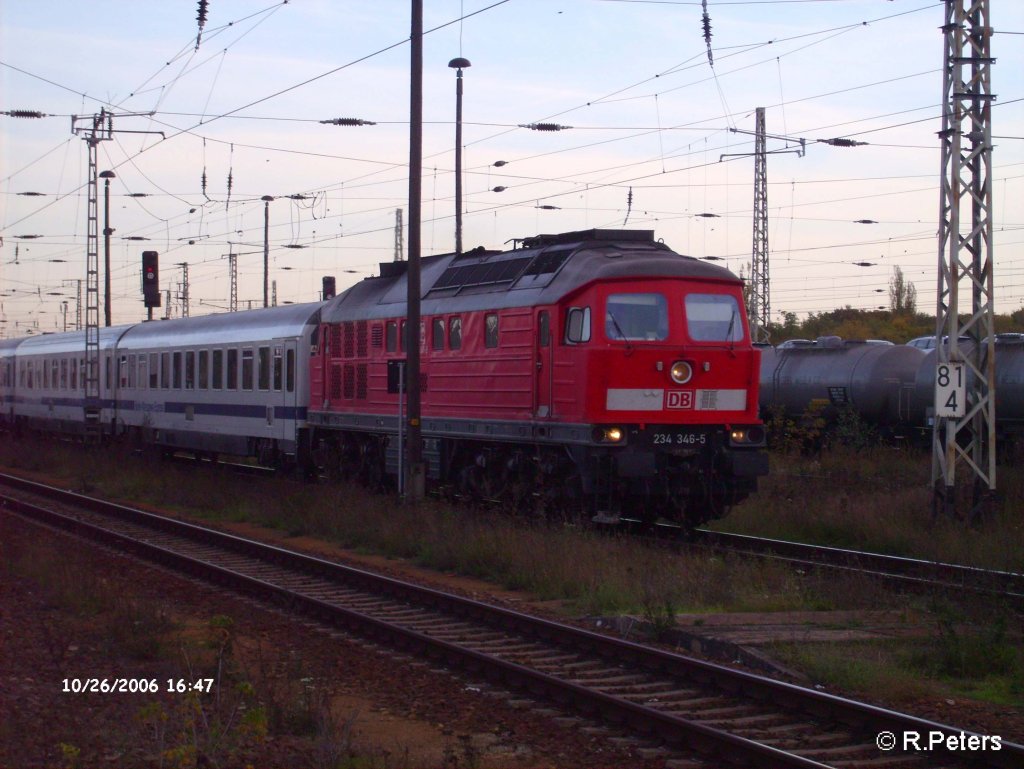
(657, 133)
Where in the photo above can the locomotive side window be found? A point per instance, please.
(218, 369)
(491, 330)
(455, 333)
(403, 336)
(544, 328)
(577, 325)
(642, 317)
(713, 318)
(264, 353)
(232, 383)
(437, 334)
(247, 361)
(391, 337)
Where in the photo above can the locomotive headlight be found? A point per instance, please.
(608, 434)
(681, 372)
(750, 435)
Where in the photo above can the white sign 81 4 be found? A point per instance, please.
(950, 390)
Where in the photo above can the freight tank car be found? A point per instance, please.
(878, 381)
(1009, 385)
(597, 372)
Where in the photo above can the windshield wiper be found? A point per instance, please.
(619, 331)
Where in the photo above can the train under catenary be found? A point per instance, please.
(596, 372)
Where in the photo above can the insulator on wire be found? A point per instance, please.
(204, 184)
(629, 206)
(201, 18)
(23, 113)
(706, 24)
(230, 181)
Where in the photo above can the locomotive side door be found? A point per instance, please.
(544, 370)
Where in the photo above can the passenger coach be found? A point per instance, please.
(233, 383)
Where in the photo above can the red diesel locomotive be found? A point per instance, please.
(595, 373)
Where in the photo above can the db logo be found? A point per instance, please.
(679, 399)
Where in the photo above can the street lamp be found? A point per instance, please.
(266, 248)
(458, 65)
(106, 176)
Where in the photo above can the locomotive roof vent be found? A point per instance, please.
(622, 236)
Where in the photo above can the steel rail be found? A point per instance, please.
(673, 729)
(899, 569)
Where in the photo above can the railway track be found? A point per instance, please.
(908, 572)
(722, 715)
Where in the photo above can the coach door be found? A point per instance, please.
(544, 370)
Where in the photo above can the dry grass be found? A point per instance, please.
(879, 499)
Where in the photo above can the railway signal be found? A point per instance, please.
(151, 280)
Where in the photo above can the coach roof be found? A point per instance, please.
(546, 269)
(223, 328)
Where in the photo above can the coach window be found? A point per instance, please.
(177, 364)
(143, 370)
(264, 374)
(289, 373)
(133, 363)
(165, 370)
(74, 373)
(204, 369)
(277, 369)
(154, 370)
(218, 369)
(713, 318)
(491, 330)
(391, 336)
(577, 325)
(109, 361)
(455, 333)
(247, 362)
(63, 374)
(190, 370)
(232, 372)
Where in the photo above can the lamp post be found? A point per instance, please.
(266, 248)
(458, 65)
(106, 176)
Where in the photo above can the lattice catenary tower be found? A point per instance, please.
(965, 428)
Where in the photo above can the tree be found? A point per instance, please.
(902, 294)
